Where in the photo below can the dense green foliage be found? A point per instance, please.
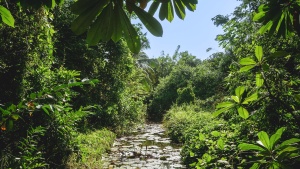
(59, 95)
(55, 87)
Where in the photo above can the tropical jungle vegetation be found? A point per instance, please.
(73, 76)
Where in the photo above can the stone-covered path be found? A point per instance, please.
(147, 148)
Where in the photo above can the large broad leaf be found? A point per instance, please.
(179, 9)
(264, 138)
(259, 80)
(101, 29)
(130, 34)
(117, 26)
(83, 21)
(81, 6)
(153, 8)
(239, 91)
(259, 53)
(251, 98)
(275, 137)
(190, 5)
(247, 147)
(6, 16)
(153, 26)
(247, 61)
(243, 112)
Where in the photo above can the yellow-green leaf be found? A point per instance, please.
(259, 80)
(247, 61)
(264, 138)
(6, 16)
(236, 99)
(243, 112)
(259, 53)
(251, 98)
(239, 91)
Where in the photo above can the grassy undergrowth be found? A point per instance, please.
(91, 146)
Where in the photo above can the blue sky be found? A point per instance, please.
(195, 33)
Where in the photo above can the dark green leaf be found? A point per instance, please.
(83, 21)
(82, 6)
(190, 5)
(153, 26)
(153, 7)
(179, 9)
(101, 29)
(130, 34)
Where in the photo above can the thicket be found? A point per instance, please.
(254, 117)
(55, 91)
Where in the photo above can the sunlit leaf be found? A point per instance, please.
(247, 61)
(259, 80)
(259, 53)
(239, 91)
(6, 16)
(220, 144)
(275, 137)
(251, 98)
(215, 133)
(246, 68)
(264, 138)
(236, 99)
(243, 112)
(225, 104)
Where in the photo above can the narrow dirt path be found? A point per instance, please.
(146, 148)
